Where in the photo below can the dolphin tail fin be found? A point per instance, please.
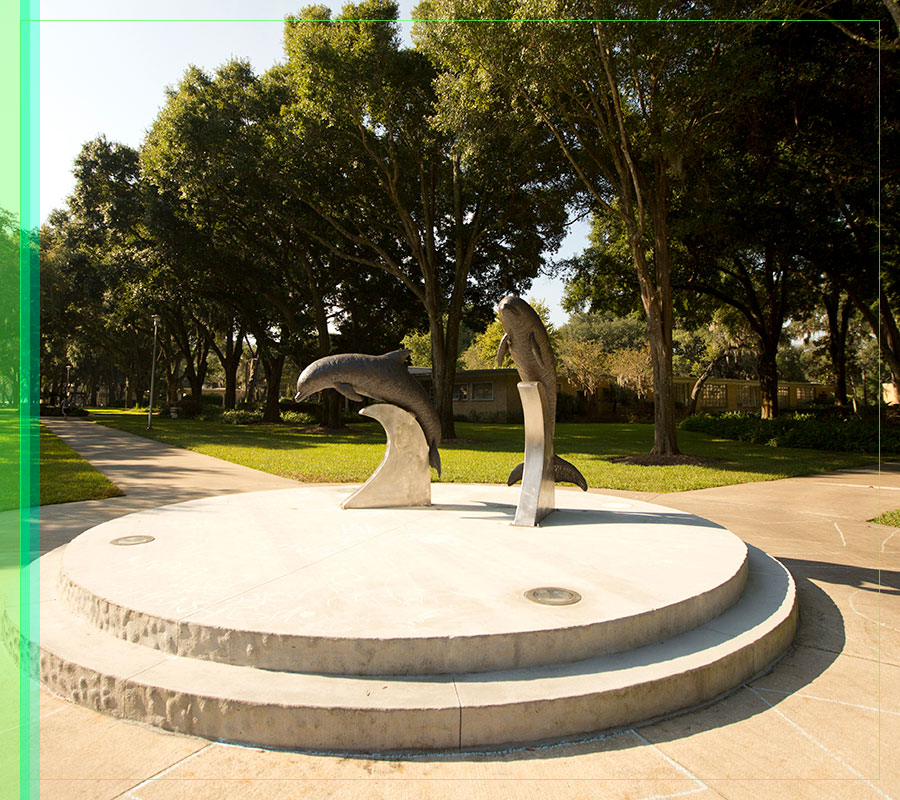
(564, 472)
(434, 457)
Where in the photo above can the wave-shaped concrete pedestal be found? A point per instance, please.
(278, 619)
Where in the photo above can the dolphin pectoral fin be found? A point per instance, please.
(564, 472)
(503, 350)
(398, 355)
(434, 457)
(535, 349)
(516, 475)
(349, 392)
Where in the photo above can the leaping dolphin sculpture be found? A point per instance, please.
(383, 378)
(526, 340)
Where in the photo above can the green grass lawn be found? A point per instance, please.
(891, 518)
(486, 453)
(66, 477)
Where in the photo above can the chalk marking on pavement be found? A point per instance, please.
(829, 700)
(843, 540)
(864, 616)
(131, 792)
(818, 743)
(671, 762)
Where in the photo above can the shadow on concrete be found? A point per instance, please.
(865, 578)
(570, 516)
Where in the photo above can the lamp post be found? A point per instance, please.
(155, 319)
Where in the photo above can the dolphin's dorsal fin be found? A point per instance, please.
(349, 392)
(503, 350)
(535, 349)
(398, 355)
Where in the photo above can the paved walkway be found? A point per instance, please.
(825, 723)
(150, 473)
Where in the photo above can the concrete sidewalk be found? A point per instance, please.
(150, 473)
(825, 723)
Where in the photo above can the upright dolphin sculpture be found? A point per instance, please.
(526, 339)
(383, 378)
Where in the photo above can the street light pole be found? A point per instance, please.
(155, 319)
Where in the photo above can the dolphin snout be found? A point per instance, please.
(511, 304)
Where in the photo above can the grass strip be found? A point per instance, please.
(891, 518)
(66, 477)
(485, 453)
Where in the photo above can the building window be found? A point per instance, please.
(683, 393)
(805, 395)
(748, 396)
(784, 395)
(714, 395)
(483, 391)
(460, 391)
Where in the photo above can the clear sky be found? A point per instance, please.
(105, 65)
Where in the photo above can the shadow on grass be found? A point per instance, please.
(191, 434)
(588, 446)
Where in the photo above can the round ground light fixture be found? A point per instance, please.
(553, 596)
(124, 541)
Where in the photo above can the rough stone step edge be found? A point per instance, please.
(425, 714)
(431, 656)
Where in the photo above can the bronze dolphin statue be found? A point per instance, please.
(526, 339)
(383, 378)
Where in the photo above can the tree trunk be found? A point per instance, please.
(885, 328)
(230, 359)
(273, 365)
(331, 398)
(331, 410)
(172, 379)
(443, 373)
(655, 280)
(665, 440)
(698, 385)
(838, 323)
(196, 381)
(768, 379)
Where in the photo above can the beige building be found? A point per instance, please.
(490, 395)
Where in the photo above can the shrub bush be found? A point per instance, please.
(289, 404)
(815, 431)
(298, 418)
(241, 416)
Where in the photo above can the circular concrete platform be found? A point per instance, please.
(277, 619)
(289, 581)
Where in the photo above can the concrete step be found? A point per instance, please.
(289, 581)
(84, 664)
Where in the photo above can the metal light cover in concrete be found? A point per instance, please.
(127, 541)
(553, 596)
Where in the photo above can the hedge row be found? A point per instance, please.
(846, 433)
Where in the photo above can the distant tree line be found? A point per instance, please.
(361, 192)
